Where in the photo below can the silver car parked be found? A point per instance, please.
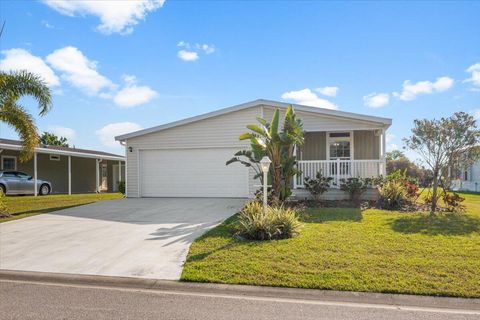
(15, 182)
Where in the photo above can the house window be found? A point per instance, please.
(465, 175)
(54, 157)
(340, 150)
(9, 163)
(339, 146)
(339, 134)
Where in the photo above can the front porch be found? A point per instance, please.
(341, 155)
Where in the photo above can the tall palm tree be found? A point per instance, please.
(13, 86)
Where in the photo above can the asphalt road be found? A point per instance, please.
(33, 300)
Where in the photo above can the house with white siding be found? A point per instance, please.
(187, 158)
(468, 179)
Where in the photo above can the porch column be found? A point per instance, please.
(69, 175)
(119, 171)
(97, 172)
(384, 152)
(35, 174)
(295, 176)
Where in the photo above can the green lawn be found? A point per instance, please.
(349, 249)
(25, 206)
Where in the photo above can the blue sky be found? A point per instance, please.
(116, 67)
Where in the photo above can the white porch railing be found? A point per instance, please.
(338, 169)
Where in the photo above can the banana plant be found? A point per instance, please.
(266, 139)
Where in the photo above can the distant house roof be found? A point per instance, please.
(85, 153)
(260, 102)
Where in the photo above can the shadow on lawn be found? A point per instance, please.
(331, 214)
(438, 224)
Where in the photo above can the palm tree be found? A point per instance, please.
(13, 86)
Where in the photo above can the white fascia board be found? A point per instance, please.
(65, 153)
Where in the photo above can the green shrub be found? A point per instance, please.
(121, 186)
(355, 187)
(318, 185)
(3, 207)
(453, 202)
(393, 195)
(397, 190)
(277, 222)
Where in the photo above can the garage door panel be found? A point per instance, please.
(191, 173)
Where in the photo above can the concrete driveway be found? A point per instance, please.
(147, 238)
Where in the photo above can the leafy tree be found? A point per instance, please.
(395, 155)
(267, 139)
(51, 139)
(441, 143)
(13, 86)
(398, 161)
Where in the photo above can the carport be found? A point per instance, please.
(71, 170)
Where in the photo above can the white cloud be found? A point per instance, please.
(474, 71)
(47, 25)
(208, 48)
(410, 91)
(328, 91)
(190, 52)
(391, 147)
(107, 134)
(60, 131)
(116, 16)
(390, 137)
(132, 95)
(78, 70)
(20, 59)
(186, 55)
(308, 98)
(376, 100)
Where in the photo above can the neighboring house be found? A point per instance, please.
(70, 170)
(187, 158)
(468, 179)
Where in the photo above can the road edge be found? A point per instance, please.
(245, 290)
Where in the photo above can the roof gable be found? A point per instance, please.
(257, 103)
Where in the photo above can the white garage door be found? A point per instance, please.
(191, 173)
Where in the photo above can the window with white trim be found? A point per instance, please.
(9, 163)
(339, 145)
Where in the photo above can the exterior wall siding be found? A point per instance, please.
(220, 131)
(318, 122)
(314, 147)
(366, 145)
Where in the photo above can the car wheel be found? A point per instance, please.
(2, 187)
(44, 189)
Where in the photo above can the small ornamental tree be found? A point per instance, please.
(269, 139)
(443, 143)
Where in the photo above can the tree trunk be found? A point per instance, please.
(433, 206)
